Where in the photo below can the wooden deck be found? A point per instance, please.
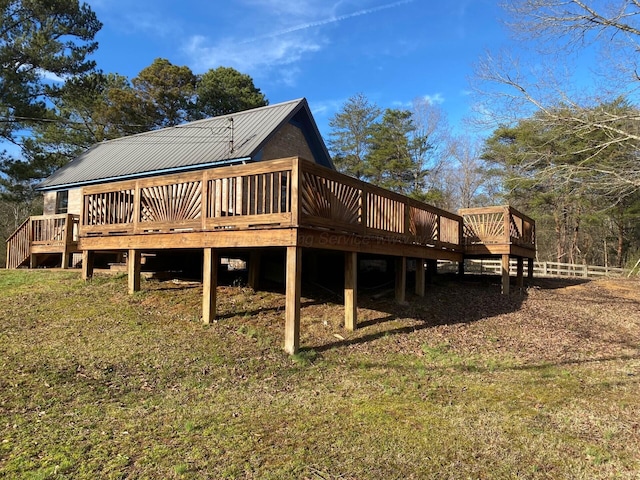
(292, 204)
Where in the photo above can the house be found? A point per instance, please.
(266, 133)
(248, 182)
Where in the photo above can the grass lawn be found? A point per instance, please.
(465, 383)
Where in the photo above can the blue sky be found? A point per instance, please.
(326, 51)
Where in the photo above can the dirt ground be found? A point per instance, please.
(551, 321)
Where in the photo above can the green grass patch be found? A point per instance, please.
(99, 384)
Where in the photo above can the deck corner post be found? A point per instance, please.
(87, 264)
(134, 262)
(530, 268)
(520, 273)
(505, 274)
(420, 277)
(401, 279)
(209, 285)
(293, 291)
(350, 290)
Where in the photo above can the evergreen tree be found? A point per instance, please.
(225, 90)
(389, 163)
(167, 93)
(350, 137)
(37, 40)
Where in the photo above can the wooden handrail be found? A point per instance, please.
(41, 230)
(331, 199)
(18, 245)
(289, 192)
(497, 225)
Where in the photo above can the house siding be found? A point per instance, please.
(49, 207)
(74, 205)
(289, 141)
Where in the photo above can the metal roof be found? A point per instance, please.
(204, 143)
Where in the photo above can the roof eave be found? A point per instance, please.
(152, 173)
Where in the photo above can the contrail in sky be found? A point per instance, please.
(327, 21)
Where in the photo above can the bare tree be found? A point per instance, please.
(563, 31)
(430, 142)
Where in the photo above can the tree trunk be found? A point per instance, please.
(561, 234)
(575, 249)
(620, 248)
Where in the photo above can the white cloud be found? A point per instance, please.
(141, 16)
(246, 57)
(295, 32)
(435, 99)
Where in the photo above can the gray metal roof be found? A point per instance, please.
(204, 143)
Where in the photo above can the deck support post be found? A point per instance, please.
(292, 310)
(420, 277)
(87, 264)
(461, 268)
(66, 259)
(530, 268)
(254, 270)
(209, 284)
(350, 290)
(432, 270)
(134, 262)
(401, 279)
(66, 253)
(505, 274)
(520, 273)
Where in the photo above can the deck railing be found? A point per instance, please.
(279, 193)
(19, 245)
(45, 233)
(498, 225)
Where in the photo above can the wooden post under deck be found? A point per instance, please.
(505, 274)
(292, 310)
(254, 270)
(66, 253)
(401, 279)
(520, 273)
(432, 270)
(350, 290)
(209, 285)
(530, 268)
(87, 264)
(420, 277)
(134, 261)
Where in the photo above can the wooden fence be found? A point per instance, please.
(541, 269)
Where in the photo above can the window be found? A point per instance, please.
(62, 201)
